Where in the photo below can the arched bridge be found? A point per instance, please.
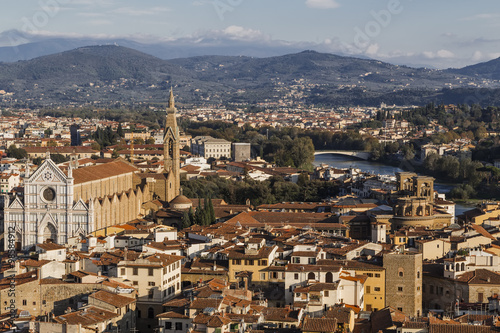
(361, 154)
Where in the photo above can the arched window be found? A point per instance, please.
(462, 267)
(457, 267)
(151, 313)
(329, 277)
(401, 272)
(311, 276)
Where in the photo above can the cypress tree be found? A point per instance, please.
(186, 222)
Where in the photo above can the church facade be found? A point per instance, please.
(48, 210)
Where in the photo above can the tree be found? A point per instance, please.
(150, 141)
(120, 131)
(58, 158)
(186, 221)
(139, 141)
(17, 153)
(47, 133)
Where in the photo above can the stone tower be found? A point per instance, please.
(171, 151)
(403, 282)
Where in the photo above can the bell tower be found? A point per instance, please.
(171, 151)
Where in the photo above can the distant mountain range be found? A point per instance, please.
(110, 74)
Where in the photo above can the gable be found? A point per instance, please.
(48, 172)
(80, 205)
(16, 204)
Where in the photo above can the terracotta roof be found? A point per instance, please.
(202, 303)
(482, 231)
(172, 314)
(180, 199)
(480, 276)
(86, 317)
(319, 325)
(19, 279)
(280, 314)
(341, 314)
(50, 246)
(96, 172)
(113, 299)
(442, 328)
(217, 321)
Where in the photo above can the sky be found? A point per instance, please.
(438, 33)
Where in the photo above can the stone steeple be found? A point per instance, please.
(171, 151)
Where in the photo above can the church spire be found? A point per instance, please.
(171, 102)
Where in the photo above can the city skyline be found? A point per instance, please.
(406, 32)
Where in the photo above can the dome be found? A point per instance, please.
(180, 202)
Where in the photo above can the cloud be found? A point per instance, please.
(132, 11)
(441, 54)
(487, 16)
(323, 4)
(234, 32)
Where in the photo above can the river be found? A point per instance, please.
(342, 161)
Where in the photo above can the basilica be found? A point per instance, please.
(57, 205)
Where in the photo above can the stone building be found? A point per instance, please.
(403, 282)
(206, 146)
(415, 205)
(241, 151)
(56, 205)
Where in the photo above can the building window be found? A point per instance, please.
(135, 271)
(262, 276)
(400, 289)
(168, 325)
(377, 288)
(327, 293)
(297, 294)
(178, 326)
(368, 289)
(25, 302)
(150, 272)
(296, 260)
(151, 313)
(151, 284)
(122, 271)
(400, 273)
(400, 309)
(135, 283)
(377, 275)
(264, 262)
(296, 276)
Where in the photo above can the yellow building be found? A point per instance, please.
(253, 257)
(374, 298)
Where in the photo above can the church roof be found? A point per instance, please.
(96, 172)
(180, 199)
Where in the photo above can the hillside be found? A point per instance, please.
(488, 70)
(105, 74)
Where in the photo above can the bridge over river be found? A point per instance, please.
(361, 154)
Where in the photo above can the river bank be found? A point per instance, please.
(341, 162)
